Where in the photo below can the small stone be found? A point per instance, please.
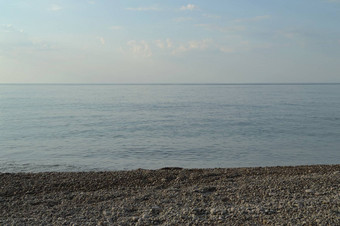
(213, 211)
(135, 218)
(309, 191)
(155, 209)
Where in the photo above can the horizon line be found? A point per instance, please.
(255, 83)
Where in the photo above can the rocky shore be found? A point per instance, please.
(300, 195)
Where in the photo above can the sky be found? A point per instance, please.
(169, 41)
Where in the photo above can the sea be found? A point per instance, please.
(104, 127)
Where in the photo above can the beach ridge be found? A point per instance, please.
(171, 196)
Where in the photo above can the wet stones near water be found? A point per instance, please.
(174, 196)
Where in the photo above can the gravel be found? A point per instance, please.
(299, 195)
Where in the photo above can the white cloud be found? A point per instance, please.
(91, 2)
(253, 19)
(189, 7)
(289, 35)
(293, 34)
(152, 8)
(160, 44)
(115, 28)
(139, 48)
(55, 7)
(7, 28)
(102, 40)
(192, 45)
(225, 49)
(203, 44)
(167, 44)
(14, 40)
(221, 29)
(211, 16)
(182, 19)
(42, 45)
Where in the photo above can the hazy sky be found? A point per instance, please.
(130, 41)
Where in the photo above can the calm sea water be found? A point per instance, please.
(116, 127)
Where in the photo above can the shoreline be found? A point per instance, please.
(171, 196)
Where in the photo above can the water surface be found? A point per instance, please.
(116, 127)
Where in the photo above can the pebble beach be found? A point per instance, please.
(293, 195)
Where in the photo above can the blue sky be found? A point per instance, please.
(130, 41)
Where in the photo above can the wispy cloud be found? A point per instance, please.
(183, 47)
(42, 45)
(192, 45)
(183, 19)
(160, 44)
(115, 28)
(7, 28)
(211, 16)
(139, 48)
(167, 44)
(221, 29)
(152, 8)
(189, 7)
(91, 2)
(252, 19)
(243, 46)
(299, 33)
(226, 49)
(55, 7)
(101, 40)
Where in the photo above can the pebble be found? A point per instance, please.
(255, 196)
(309, 191)
(213, 211)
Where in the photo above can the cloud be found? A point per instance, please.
(102, 40)
(199, 44)
(139, 48)
(55, 7)
(43, 45)
(91, 2)
(192, 45)
(14, 40)
(211, 16)
(190, 7)
(233, 46)
(167, 44)
(182, 19)
(152, 8)
(115, 28)
(160, 44)
(253, 19)
(298, 33)
(225, 49)
(221, 29)
(7, 28)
